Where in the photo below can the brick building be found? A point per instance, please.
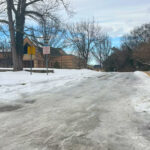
(5, 59)
(57, 59)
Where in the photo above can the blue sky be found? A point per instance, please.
(116, 41)
(117, 17)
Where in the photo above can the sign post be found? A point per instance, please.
(46, 52)
(31, 51)
(47, 63)
(31, 64)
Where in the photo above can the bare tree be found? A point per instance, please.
(142, 54)
(81, 37)
(51, 30)
(4, 45)
(102, 49)
(137, 36)
(134, 52)
(16, 12)
(138, 42)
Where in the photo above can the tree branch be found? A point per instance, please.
(13, 7)
(32, 2)
(34, 13)
(4, 21)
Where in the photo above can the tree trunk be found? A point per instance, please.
(16, 33)
(19, 40)
(12, 36)
(86, 63)
(20, 21)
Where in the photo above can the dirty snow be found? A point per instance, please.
(95, 114)
(17, 85)
(141, 101)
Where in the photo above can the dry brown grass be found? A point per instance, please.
(148, 73)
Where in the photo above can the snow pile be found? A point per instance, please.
(19, 85)
(142, 100)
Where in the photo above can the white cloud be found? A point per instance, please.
(118, 17)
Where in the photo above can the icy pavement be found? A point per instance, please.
(96, 113)
(17, 85)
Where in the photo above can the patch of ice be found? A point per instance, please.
(19, 85)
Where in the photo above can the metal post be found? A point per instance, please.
(31, 65)
(47, 63)
(46, 44)
(61, 61)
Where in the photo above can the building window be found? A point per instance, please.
(26, 48)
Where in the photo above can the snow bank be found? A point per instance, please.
(18, 85)
(141, 101)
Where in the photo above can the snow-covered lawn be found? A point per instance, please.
(18, 85)
(142, 100)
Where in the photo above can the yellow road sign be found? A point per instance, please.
(31, 50)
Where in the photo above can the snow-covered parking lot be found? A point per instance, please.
(74, 110)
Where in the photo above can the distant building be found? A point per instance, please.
(57, 59)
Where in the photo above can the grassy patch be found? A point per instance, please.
(148, 73)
